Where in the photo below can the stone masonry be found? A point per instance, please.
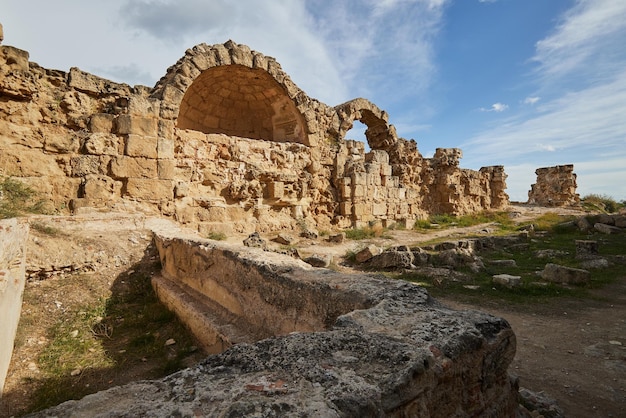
(225, 141)
(555, 186)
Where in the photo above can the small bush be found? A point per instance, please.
(16, 199)
(375, 231)
(217, 236)
(602, 203)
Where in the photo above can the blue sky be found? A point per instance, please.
(519, 83)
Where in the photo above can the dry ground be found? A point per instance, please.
(572, 349)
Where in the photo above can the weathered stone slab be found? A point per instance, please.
(13, 236)
(367, 253)
(607, 229)
(507, 280)
(561, 274)
(149, 189)
(372, 346)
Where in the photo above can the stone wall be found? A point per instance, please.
(555, 186)
(13, 236)
(224, 141)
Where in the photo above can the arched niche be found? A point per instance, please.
(240, 101)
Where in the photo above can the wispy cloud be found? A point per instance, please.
(531, 100)
(496, 107)
(583, 36)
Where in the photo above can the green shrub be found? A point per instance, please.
(602, 203)
(16, 199)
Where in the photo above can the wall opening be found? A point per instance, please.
(240, 101)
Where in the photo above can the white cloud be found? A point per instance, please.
(531, 100)
(496, 107)
(583, 36)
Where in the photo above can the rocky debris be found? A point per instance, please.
(367, 253)
(565, 275)
(586, 249)
(595, 264)
(393, 258)
(507, 280)
(502, 263)
(337, 238)
(540, 403)
(309, 234)
(583, 224)
(607, 229)
(390, 350)
(555, 186)
(319, 260)
(550, 253)
(285, 239)
(254, 240)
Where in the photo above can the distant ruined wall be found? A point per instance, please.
(555, 186)
(225, 141)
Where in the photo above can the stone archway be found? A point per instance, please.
(232, 90)
(380, 134)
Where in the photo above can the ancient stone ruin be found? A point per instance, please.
(225, 141)
(555, 186)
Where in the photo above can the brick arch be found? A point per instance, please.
(232, 90)
(380, 134)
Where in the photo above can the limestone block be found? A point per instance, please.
(61, 142)
(15, 59)
(385, 170)
(126, 167)
(359, 179)
(607, 229)
(560, 274)
(358, 190)
(367, 253)
(275, 189)
(82, 165)
(141, 146)
(362, 209)
(390, 181)
(507, 280)
(149, 189)
(137, 125)
(102, 144)
(138, 105)
(165, 148)
(345, 191)
(184, 214)
(345, 208)
(166, 169)
(586, 249)
(1, 39)
(379, 209)
(95, 85)
(97, 188)
(102, 123)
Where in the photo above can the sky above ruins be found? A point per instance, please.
(519, 83)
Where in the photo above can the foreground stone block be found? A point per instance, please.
(331, 345)
(560, 274)
(507, 280)
(13, 236)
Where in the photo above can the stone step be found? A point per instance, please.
(215, 327)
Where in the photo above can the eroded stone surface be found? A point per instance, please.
(390, 350)
(555, 186)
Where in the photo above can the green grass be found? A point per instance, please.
(443, 221)
(217, 236)
(368, 232)
(17, 199)
(558, 236)
(601, 203)
(93, 345)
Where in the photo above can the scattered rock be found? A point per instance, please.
(540, 403)
(367, 253)
(607, 229)
(583, 224)
(502, 263)
(309, 234)
(318, 260)
(586, 249)
(549, 253)
(337, 238)
(507, 280)
(392, 259)
(596, 263)
(254, 240)
(170, 341)
(285, 239)
(566, 275)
